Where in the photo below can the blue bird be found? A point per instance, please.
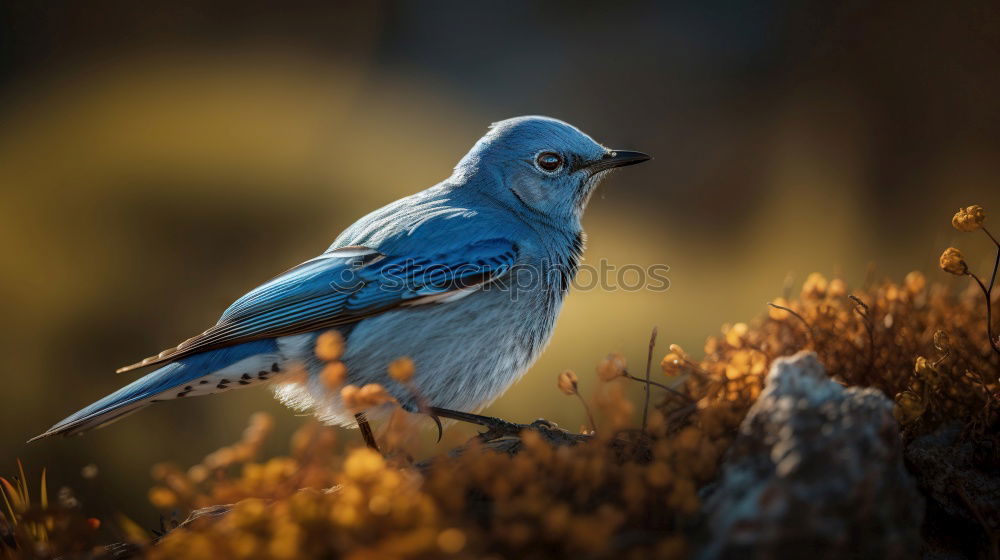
(465, 278)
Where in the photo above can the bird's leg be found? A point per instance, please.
(494, 424)
(498, 428)
(366, 432)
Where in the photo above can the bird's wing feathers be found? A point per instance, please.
(344, 286)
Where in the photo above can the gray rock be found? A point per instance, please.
(816, 471)
(961, 478)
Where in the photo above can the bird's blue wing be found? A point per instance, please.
(344, 286)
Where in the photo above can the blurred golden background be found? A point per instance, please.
(157, 160)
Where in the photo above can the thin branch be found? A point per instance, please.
(989, 291)
(862, 309)
(670, 390)
(989, 311)
(996, 263)
(649, 362)
(681, 414)
(590, 417)
(809, 330)
(987, 232)
(698, 370)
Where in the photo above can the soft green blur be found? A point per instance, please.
(156, 164)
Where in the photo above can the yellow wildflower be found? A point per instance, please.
(969, 218)
(349, 394)
(363, 464)
(672, 364)
(926, 371)
(162, 498)
(451, 541)
(333, 375)
(567, 382)
(375, 394)
(915, 282)
(402, 370)
(369, 396)
(329, 346)
(814, 286)
(837, 288)
(736, 334)
(611, 367)
(953, 262)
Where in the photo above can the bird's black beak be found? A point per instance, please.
(617, 158)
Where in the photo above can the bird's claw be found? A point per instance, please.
(437, 422)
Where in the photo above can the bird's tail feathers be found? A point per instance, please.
(131, 398)
(201, 374)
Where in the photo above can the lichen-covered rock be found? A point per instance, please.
(961, 479)
(816, 471)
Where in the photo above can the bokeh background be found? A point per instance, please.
(159, 159)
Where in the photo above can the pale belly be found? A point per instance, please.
(466, 352)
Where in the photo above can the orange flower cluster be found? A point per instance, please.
(232, 473)
(920, 344)
(373, 510)
(362, 398)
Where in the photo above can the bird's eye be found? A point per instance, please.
(549, 162)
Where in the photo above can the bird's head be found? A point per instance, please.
(542, 164)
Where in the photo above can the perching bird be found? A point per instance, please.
(465, 278)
